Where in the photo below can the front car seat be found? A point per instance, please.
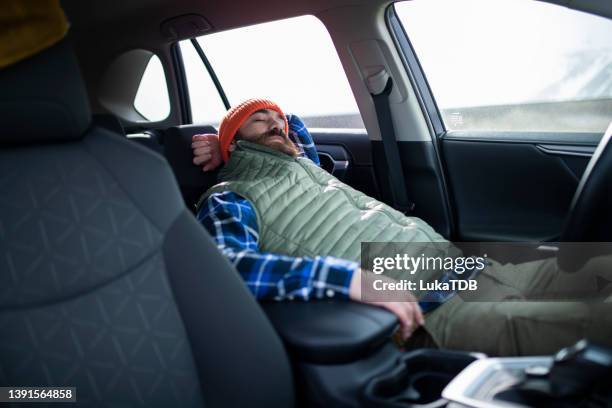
(109, 284)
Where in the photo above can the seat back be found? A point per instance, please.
(108, 121)
(152, 139)
(192, 181)
(109, 284)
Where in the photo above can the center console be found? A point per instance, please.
(417, 379)
(342, 356)
(577, 376)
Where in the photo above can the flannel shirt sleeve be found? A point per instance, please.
(299, 134)
(232, 222)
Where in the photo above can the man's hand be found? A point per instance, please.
(408, 311)
(206, 151)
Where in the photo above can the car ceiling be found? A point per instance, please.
(109, 27)
(102, 29)
(142, 18)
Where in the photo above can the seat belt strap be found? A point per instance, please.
(399, 198)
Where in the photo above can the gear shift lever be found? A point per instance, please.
(578, 368)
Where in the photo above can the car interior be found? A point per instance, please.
(113, 287)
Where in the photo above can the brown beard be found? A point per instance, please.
(287, 147)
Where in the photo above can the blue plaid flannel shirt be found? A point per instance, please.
(232, 222)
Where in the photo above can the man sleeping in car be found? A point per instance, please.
(293, 231)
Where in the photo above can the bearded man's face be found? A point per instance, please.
(267, 127)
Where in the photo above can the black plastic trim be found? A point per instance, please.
(557, 138)
(330, 332)
(181, 83)
(357, 144)
(562, 150)
(211, 72)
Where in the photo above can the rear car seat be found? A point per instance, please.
(151, 138)
(175, 145)
(192, 181)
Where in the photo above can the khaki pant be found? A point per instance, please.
(508, 315)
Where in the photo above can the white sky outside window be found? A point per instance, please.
(152, 99)
(475, 53)
(292, 61)
(494, 52)
(206, 104)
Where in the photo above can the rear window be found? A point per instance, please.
(152, 99)
(292, 62)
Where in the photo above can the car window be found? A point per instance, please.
(151, 99)
(292, 62)
(206, 103)
(513, 65)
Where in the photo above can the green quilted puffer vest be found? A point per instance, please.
(304, 211)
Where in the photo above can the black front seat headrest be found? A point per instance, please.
(43, 98)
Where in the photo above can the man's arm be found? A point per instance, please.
(298, 133)
(232, 222)
(206, 151)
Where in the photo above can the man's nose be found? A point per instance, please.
(276, 124)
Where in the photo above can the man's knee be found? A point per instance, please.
(514, 328)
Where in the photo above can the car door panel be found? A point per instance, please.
(513, 186)
(425, 182)
(350, 152)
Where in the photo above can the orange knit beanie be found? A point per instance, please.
(235, 117)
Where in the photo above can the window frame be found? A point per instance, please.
(180, 67)
(426, 97)
(167, 88)
(181, 83)
(211, 72)
(415, 72)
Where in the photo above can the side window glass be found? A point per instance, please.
(513, 65)
(206, 104)
(292, 62)
(152, 99)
